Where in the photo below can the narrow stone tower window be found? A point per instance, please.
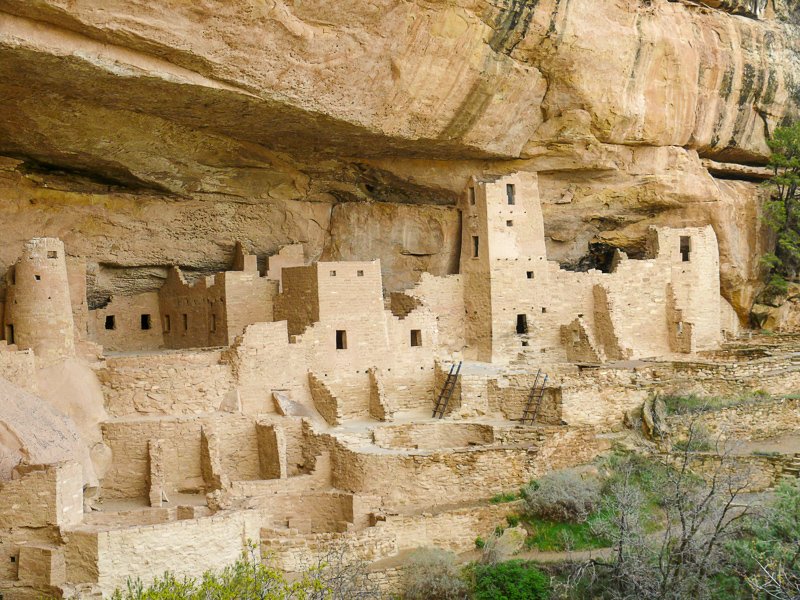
(166, 324)
(522, 324)
(472, 196)
(416, 337)
(52, 254)
(686, 247)
(185, 322)
(145, 322)
(509, 223)
(10, 333)
(511, 193)
(529, 274)
(476, 245)
(111, 322)
(213, 323)
(341, 339)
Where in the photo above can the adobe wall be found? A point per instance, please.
(601, 397)
(127, 477)
(130, 314)
(43, 496)
(193, 316)
(167, 383)
(249, 298)
(453, 475)
(195, 545)
(434, 435)
(444, 297)
(298, 302)
(76, 280)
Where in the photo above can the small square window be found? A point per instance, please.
(509, 223)
(416, 337)
(13, 559)
(333, 273)
(529, 274)
(360, 273)
(52, 254)
(145, 322)
(111, 322)
(37, 277)
(544, 309)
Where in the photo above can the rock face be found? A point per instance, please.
(151, 133)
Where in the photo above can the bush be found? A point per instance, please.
(512, 580)
(563, 496)
(434, 574)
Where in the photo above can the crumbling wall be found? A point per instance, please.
(168, 383)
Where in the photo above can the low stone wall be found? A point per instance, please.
(454, 530)
(174, 383)
(753, 473)
(432, 436)
(185, 547)
(749, 421)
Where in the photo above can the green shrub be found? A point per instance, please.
(480, 543)
(434, 574)
(563, 496)
(503, 498)
(512, 580)
(512, 520)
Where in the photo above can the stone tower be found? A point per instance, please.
(38, 311)
(502, 261)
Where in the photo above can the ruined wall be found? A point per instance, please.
(168, 383)
(18, 367)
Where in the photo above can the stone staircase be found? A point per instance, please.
(792, 469)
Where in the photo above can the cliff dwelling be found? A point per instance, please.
(229, 401)
(287, 280)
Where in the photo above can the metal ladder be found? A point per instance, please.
(536, 395)
(447, 391)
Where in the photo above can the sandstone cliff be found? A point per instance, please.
(147, 133)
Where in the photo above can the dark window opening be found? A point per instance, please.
(145, 322)
(185, 322)
(544, 309)
(52, 254)
(522, 324)
(511, 193)
(509, 223)
(213, 323)
(475, 246)
(529, 274)
(13, 559)
(10, 333)
(333, 273)
(416, 337)
(686, 247)
(679, 327)
(360, 273)
(166, 324)
(341, 339)
(13, 276)
(37, 277)
(472, 196)
(111, 322)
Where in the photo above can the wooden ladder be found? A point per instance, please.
(531, 412)
(447, 391)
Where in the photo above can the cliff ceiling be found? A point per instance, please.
(151, 132)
